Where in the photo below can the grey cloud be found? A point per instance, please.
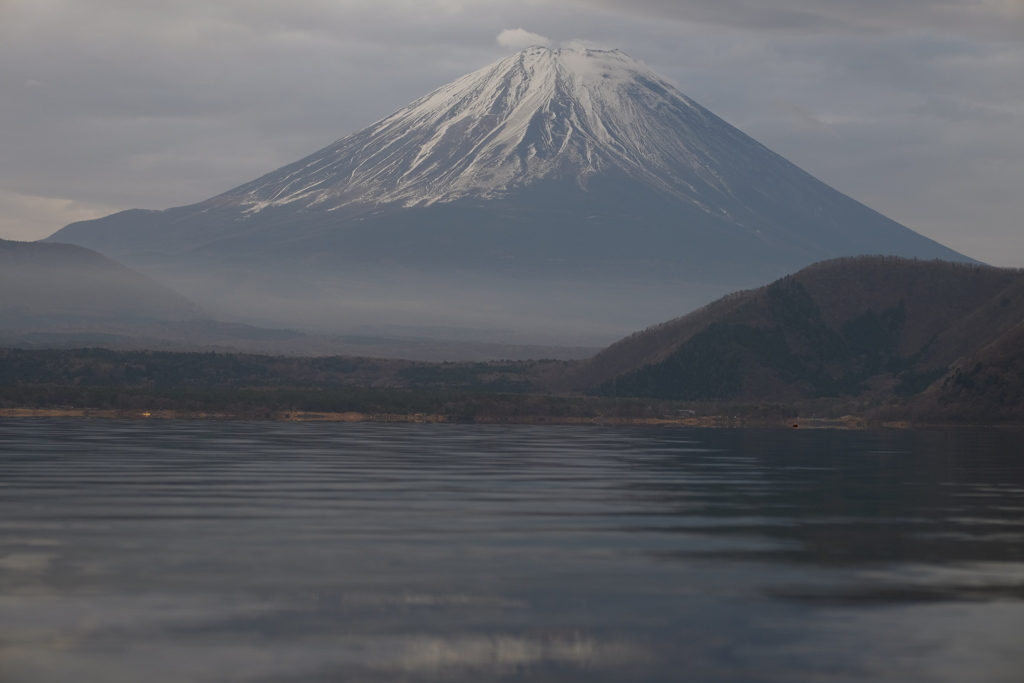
(988, 18)
(26, 217)
(172, 101)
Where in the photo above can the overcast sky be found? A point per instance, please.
(914, 107)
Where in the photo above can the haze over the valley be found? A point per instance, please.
(565, 196)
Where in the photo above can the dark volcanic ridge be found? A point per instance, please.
(944, 337)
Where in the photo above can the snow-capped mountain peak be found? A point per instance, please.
(579, 169)
(540, 113)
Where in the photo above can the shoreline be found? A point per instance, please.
(707, 422)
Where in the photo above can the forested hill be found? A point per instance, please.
(871, 326)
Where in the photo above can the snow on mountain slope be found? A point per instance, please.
(541, 113)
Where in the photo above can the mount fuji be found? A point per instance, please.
(571, 194)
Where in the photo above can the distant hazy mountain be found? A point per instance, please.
(64, 296)
(537, 188)
(871, 326)
(42, 285)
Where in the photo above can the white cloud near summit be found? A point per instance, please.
(519, 39)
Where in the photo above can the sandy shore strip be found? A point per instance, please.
(710, 421)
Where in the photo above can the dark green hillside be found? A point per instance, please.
(985, 387)
(876, 326)
(99, 368)
(245, 385)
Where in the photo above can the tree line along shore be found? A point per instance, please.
(102, 383)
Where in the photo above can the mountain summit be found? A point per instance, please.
(540, 114)
(551, 165)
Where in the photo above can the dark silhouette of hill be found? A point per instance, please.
(879, 327)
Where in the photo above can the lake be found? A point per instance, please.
(248, 551)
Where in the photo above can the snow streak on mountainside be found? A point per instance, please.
(539, 114)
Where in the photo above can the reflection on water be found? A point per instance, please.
(263, 552)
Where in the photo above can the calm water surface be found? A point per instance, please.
(197, 551)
